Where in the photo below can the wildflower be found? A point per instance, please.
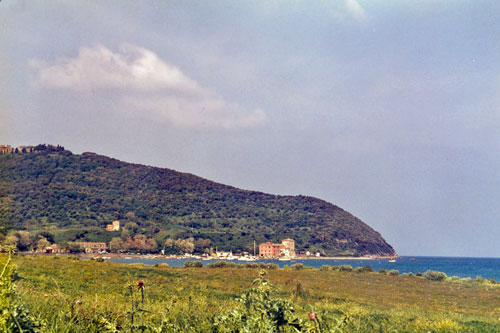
(312, 316)
(140, 284)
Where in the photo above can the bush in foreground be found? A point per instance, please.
(13, 315)
(393, 272)
(193, 264)
(297, 267)
(434, 275)
(222, 264)
(363, 269)
(345, 268)
(269, 266)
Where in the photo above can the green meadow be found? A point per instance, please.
(64, 294)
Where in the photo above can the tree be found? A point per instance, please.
(179, 245)
(42, 244)
(5, 203)
(201, 245)
(140, 243)
(47, 235)
(25, 241)
(132, 227)
(116, 244)
(74, 248)
(11, 240)
(184, 245)
(151, 245)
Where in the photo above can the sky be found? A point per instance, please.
(388, 109)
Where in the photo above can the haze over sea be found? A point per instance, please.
(487, 268)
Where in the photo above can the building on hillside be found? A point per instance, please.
(54, 248)
(115, 226)
(25, 149)
(92, 247)
(272, 250)
(6, 149)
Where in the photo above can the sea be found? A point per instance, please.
(487, 268)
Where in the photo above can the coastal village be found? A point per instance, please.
(267, 250)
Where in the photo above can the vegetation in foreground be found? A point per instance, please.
(64, 294)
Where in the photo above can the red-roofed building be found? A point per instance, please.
(272, 250)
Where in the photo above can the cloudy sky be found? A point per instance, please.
(389, 109)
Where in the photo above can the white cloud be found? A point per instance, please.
(355, 9)
(208, 112)
(144, 84)
(345, 11)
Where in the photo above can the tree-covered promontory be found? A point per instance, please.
(76, 196)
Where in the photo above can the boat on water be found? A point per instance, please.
(392, 260)
(244, 258)
(284, 259)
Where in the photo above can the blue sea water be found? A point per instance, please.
(487, 268)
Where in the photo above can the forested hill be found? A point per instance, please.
(76, 196)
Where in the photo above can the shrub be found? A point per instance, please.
(325, 268)
(479, 279)
(193, 264)
(299, 290)
(382, 271)
(14, 317)
(345, 268)
(435, 275)
(162, 265)
(250, 265)
(297, 267)
(363, 269)
(334, 268)
(271, 266)
(393, 272)
(260, 311)
(221, 264)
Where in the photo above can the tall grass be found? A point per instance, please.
(88, 296)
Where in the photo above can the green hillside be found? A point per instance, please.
(76, 196)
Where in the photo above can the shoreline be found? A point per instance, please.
(152, 256)
(177, 257)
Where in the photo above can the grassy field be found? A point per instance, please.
(62, 294)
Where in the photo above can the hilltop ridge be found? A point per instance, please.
(76, 196)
